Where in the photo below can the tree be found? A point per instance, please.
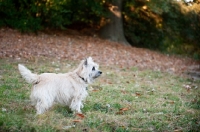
(113, 30)
(165, 25)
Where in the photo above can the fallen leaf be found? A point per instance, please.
(119, 112)
(188, 90)
(124, 109)
(138, 94)
(171, 102)
(194, 100)
(110, 82)
(76, 120)
(80, 115)
(178, 130)
(123, 91)
(95, 90)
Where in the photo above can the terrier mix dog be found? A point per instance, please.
(68, 89)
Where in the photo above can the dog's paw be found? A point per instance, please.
(81, 105)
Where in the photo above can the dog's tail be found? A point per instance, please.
(27, 74)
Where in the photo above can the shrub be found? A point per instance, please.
(164, 25)
(19, 14)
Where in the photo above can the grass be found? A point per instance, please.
(121, 100)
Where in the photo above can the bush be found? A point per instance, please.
(19, 14)
(164, 25)
(34, 15)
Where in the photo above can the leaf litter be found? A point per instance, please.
(64, 45)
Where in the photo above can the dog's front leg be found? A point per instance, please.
(76, 105)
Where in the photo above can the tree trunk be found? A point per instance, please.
(113, 30)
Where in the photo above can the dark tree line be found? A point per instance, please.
(165, 25)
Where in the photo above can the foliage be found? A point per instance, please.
(34, 15)
(19, 14)
(164, 25)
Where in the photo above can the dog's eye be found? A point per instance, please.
(93, 68)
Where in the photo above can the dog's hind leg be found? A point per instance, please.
(41, 107)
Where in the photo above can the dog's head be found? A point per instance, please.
(88, 70)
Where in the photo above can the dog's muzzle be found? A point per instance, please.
(98, 74)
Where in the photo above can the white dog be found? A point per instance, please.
(68, 89)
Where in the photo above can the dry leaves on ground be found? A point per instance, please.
(75, 46)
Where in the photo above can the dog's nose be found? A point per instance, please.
(100, 72)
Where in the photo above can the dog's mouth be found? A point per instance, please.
(97, 75)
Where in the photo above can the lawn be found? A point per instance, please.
(121, 100)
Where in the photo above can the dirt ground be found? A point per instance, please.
(74, 45)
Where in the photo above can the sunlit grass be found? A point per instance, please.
(120, 100)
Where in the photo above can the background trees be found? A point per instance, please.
(113, 28)
(165, 25)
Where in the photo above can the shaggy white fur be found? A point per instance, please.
(68, 89)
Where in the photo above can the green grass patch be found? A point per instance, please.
(121, 100)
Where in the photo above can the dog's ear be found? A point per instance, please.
(89, 59)
(85, 62)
